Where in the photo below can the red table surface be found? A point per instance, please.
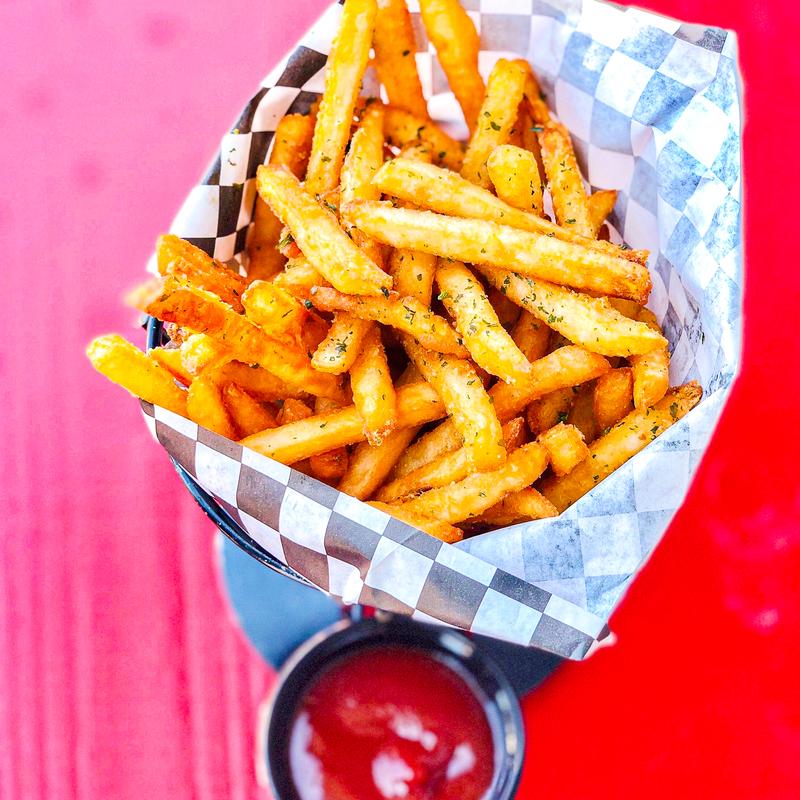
(121, 673)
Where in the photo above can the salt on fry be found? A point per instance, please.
(413, 273)
(495, 120)
(277, 312)
(127, 366)
(345, 70)
(457, 44)
(340, 348)
(395, 49)
(624, 440)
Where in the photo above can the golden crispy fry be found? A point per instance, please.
(205, 406)
(495, 119)
(330, 466)
(565, 446)
(278, 313)
(549, 410)
(449, 467)
(364, 158)
(418, 151)
(515, 176)
(185, 262)
(564, 179)
(457, 43)
(413, 274)
(370, 466)
(416, 405)
(488, 342)
(448, 193)
(531, 335)
(403, 129)
(477, 492)
(601, 204)
(441, 530)
(316, 231)
(395, 49)
(298, 276)
(143, 294)
(624, 440)
(293, 410)
(257, 382)
(202, 311)
(467, 402)
(480, 242)
(651, 370)
(143, 377)
(170, 359)
(201, 352)
(613, 396)
(373, 391)
(589, 321)
(406, 314)
(628, 308)
(537, 107)
(291, 148)
(248, 415)
(520, 506)
(444, 438)
(581, 415)
(345, 69)
(340, 348)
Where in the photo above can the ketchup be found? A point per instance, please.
(390, 722)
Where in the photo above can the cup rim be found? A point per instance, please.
(501, 704)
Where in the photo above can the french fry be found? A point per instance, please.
(488, 243)
(531, 335)
(507, 312)
(330, 466)
(481, 490)
(185, 262)
(345, 69)
(202, 311)
(448, 468)
(521, 506)
(651, 370)
(340, 348)
(293, 410)
(581, 415)
(591, 322)
(126, 365)
(601, 204)
(613, 396)
(445, 192)
(413, 274)
(441, 530)
(534, 96)
(444, 438)
(628, 308)
(257, 382)
(298, 276)
(515, 176)
(565, 446)
(395, 49)
(467, 402)
(364, 158)
(291, 148)
(201, 352)
(495, 120)
(488, 342)
(205, 406)
(624, 440)
(170, 359)
(457, 43)
(564, 179)
(403, 129)
(406, 314)
(373, 392)
(248, 415)
(316, 230)
(416, 405)
(277, 312)
(549, 410)
(370, 466)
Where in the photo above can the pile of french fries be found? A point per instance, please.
(414, 328)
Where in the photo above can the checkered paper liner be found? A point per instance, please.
(653, 107)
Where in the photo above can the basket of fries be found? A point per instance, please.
(450, 320)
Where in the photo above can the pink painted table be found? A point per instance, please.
(121, 673)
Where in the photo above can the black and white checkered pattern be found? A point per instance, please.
(654, 110)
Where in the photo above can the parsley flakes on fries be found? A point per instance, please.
(412, 327)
